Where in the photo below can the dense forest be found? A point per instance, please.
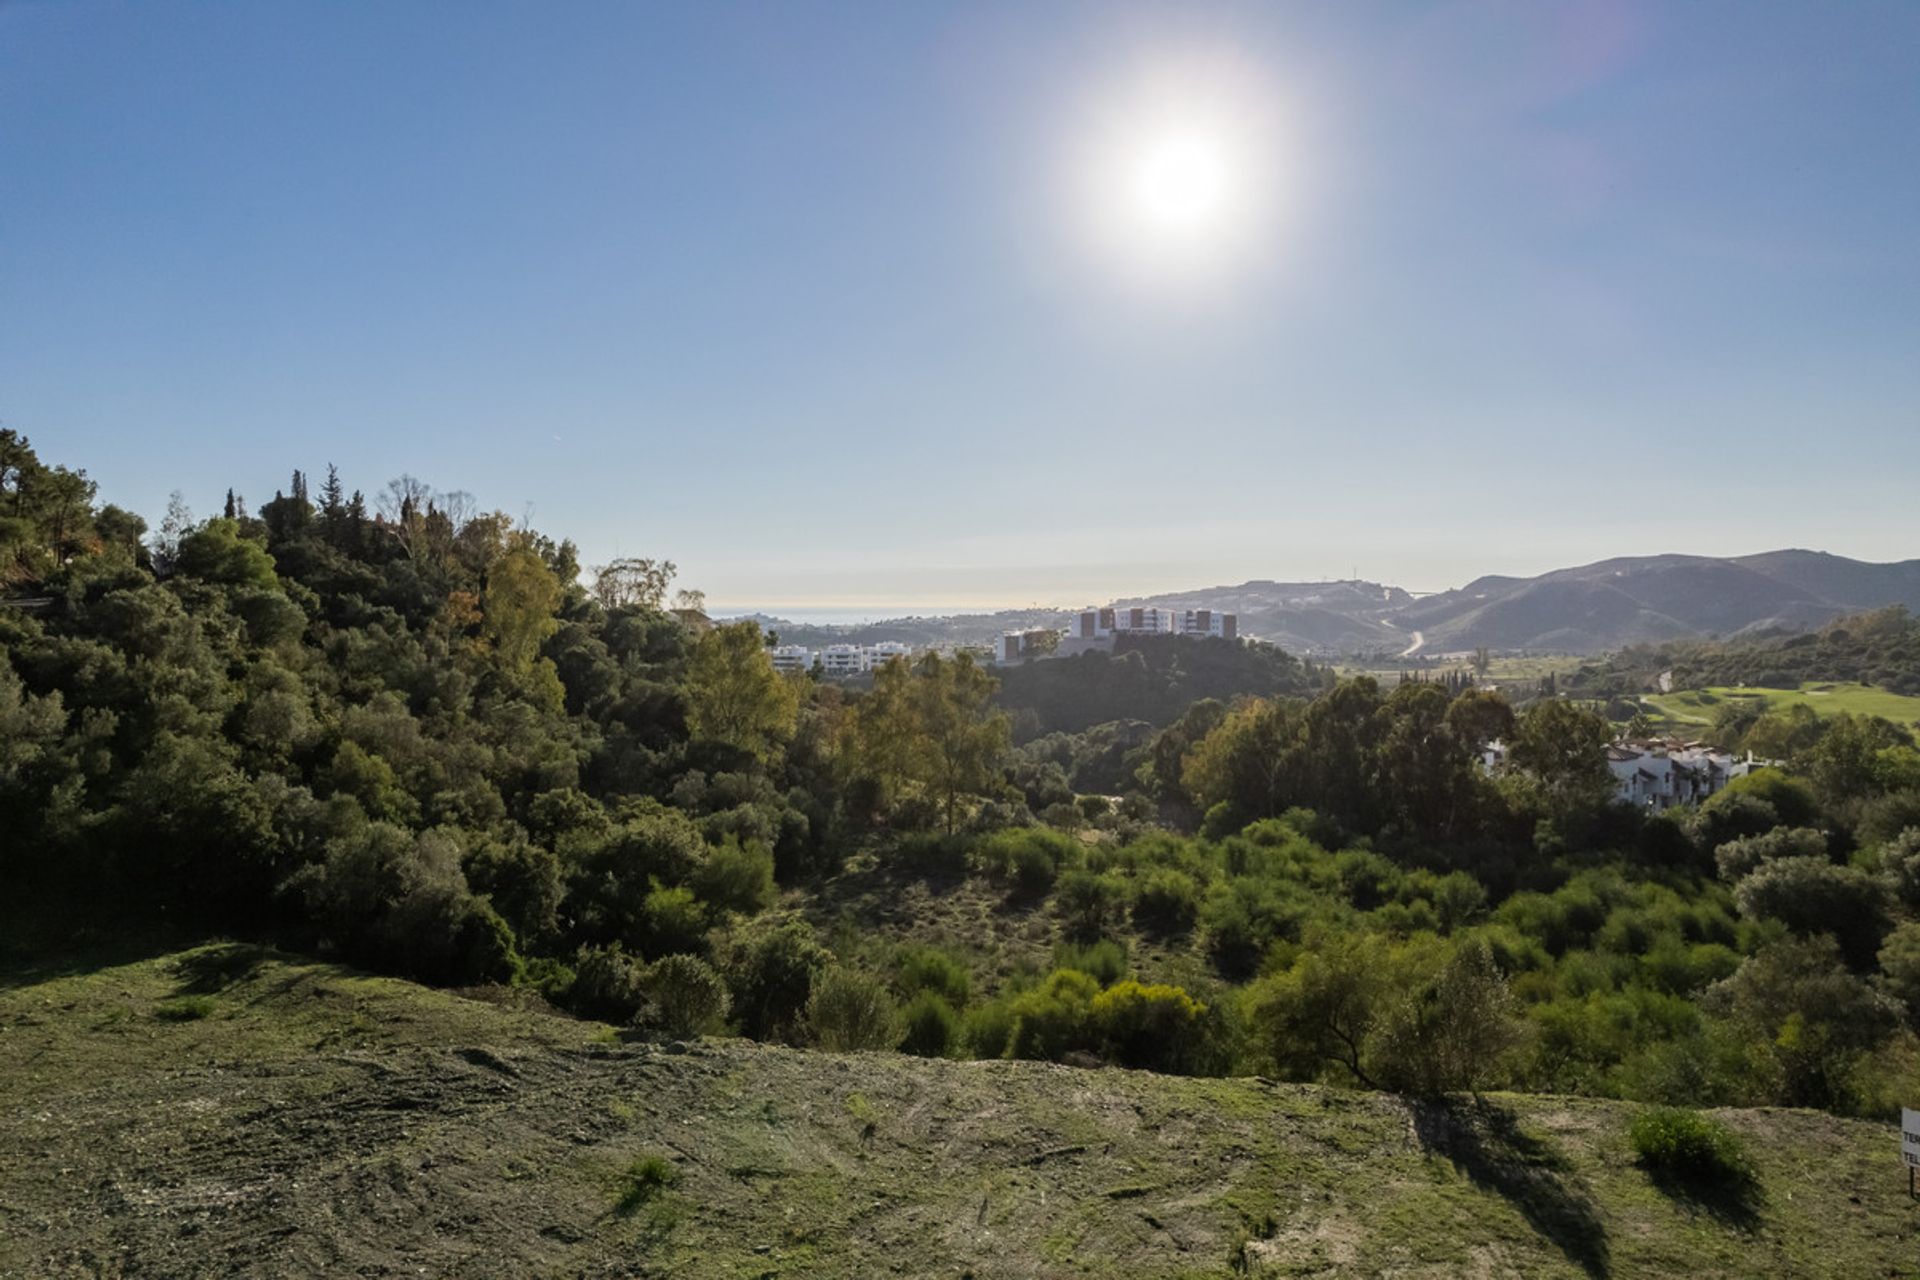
(406, 733)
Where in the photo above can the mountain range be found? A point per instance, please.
(1593, 608)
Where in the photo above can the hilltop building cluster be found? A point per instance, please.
(1091, 629)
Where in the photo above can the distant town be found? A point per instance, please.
(1092, 628)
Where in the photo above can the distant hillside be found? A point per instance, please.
(1880, 649)
(1148, 678)
(1651, 599)
(263, 1115)
(1593, 608)
(1304, 617)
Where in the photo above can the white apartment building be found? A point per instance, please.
(791, 657)
(853, 659)
(1099, 624)
(843, 660)
(879, 654)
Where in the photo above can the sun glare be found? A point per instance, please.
(1176, 172)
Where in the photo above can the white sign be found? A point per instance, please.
(1910, 1137)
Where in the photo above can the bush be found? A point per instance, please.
(643, 1181)
(1737, 858)
(1167, 902)
(1687, 1145)
(771, 975)
(1152, 1027)
(1089, 904)
(1813, 896)
(929, 1027)
(1104, 961)
(685, 997)
(987, 1029)
(850, 1011)
(929, 969)
(184, 1009)
(608, 984)
(1054, 1018)
(737, 877)
(676, 922)
(1028, 858)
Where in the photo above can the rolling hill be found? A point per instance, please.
(1589, 609)
(237, 1112)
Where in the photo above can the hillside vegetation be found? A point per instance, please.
(1705, 707)
(234, 1112)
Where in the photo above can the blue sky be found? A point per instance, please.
(805, 297)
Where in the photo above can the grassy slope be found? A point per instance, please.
(318, 1122)
(1689, 707)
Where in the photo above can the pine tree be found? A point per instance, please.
(331, 502)
(232, 509)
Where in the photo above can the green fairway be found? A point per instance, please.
(1697, 706)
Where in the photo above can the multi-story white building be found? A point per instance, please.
(843, 660)
(1099, 624)
(791, 657)
(879, 654)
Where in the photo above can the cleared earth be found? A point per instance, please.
(232, 1112)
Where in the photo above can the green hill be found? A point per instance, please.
(232, 1112)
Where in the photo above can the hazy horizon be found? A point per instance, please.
(1017, 305)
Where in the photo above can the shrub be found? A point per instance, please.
(737, 877)
(987, 1029)
(676, 922)
(1812, 896)
(932, 970)
(1054, 1018)
(607, 984)
(1153, 1027)
(771, 975)
(184, 1009)
(1167, 902)
(1105, 961)
(849, 1011)
(1737, 858)
(1028, 858)
(1242, 918)
(1687, 1145)
(1453, 1033)
(1900, 865)
(643, 1182)
(929, 1026)
(1089, 904)
(685, 997)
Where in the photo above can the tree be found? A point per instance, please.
(517, 608)
(962, 737)
(633, 583)
(1453, 1033)
(734, 695)
(1564, 747)
(930, 728)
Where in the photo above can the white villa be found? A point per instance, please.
(1657, 774)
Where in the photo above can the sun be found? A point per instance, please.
(1180, 183)
(1176, 171)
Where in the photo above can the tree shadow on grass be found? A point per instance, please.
(1485, 1142)
(1734, 1200)
(213, 968)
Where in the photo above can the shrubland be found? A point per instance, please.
(405, 734)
